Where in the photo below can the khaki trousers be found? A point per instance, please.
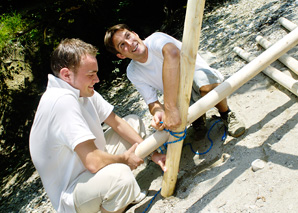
(114, 186)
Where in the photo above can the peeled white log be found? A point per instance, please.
(287, 24)
(226, 88)
(278, 76)
(287, 60)
(151, 143)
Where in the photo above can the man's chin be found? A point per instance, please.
(89, 94)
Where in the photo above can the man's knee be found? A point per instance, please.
(137, 123)
(207, 88)
(124, 189)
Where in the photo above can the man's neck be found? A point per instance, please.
(144, 57)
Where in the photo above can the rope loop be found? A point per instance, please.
(174, 134)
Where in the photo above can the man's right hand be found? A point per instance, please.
(170, 120)
(156, 120)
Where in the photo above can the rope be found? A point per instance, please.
(152, 200)
(211, 142)
(175, 134)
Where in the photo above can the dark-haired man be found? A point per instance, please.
(155, 66)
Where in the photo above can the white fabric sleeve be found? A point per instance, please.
(103, 107)
(148, 93)
(68, 122)
(159, 40)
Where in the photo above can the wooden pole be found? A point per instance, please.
(287, 24)
(188, 54)
(287, 60)
(224, 89)
(281, 78)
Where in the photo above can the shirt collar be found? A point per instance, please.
(54, 82)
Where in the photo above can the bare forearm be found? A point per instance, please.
(127, 132)
(171, 73)
(95, 159)
(123, 129)
(155, 107)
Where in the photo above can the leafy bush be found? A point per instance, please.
(10, 26)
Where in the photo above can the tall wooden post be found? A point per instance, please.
(189, 49)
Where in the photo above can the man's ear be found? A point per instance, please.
(119, 55)
(65, 74)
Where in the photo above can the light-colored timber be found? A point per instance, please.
(287, 24)
(275, 74)
(286, 59)
(188, 54)
(224, 89)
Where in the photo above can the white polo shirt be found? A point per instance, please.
(62, 121)
(147, 77)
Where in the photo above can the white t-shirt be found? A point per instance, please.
(62, 121)
(147, 77)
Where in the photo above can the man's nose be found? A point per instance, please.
(128, 42)
(96, 79)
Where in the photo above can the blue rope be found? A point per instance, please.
(175, 134)
(152, 200)
(211, 142)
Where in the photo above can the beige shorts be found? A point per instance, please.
(114, 186)
(201, 78)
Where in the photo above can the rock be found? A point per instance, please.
(257, 165)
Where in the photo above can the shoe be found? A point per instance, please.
(141, 197)
(199, 125)
(235, 127)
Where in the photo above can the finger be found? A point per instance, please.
(162, 166)
(155, 124)
(134, 146)
(156, 119)
(161, 127)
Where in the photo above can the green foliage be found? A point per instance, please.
(10, 26)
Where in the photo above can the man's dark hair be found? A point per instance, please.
(108, 40)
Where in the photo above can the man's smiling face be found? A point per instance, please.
(85, 76)
(129, 45)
